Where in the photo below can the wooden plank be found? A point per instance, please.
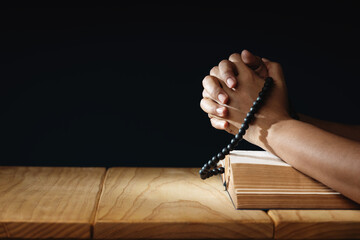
(172, 203)
(3, 232)
(316, 224)
(48, 202)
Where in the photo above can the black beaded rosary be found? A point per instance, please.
(210, 168)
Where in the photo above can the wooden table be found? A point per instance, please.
(147, 203)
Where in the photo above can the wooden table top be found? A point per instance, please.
(147, 203)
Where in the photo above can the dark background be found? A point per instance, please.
(121, 85)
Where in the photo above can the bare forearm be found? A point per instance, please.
(317, 149)
(347, 131)
(331, 159)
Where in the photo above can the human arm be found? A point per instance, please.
(327, 157)
(226, 70)
(344, 130)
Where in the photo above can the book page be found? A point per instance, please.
(256, 157)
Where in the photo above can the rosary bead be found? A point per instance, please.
(225, 151)
(242, 132)
(230, 147)
(204, 169)
(211, 163)
(215, 171)
(203, 175)
(247, 120)
(253, 109)
(244, 126)
(220, 156)
(268, 83)
(207, 166)
(238, 137)
(234, 142)
(215, 159)
(265, 88)
(257, 104)
(250, 115)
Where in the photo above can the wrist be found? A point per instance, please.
(265, 129)
(274, 135)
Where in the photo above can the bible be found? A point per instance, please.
(260, 180)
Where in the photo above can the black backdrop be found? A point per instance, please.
(121, 86)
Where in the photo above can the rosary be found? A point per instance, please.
(210, 168)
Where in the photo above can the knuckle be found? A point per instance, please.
(226, 68)
(235, 56)
(207, 106)
(224, 63)
(213, 70)
(212, 121)
(215, 123)
(207, 79)
(210, 88)
(204, 94)
(203, 102)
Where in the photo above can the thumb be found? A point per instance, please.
(255, 63)
(274, 70)
(240, 66)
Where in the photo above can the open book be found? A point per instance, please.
(260, 180)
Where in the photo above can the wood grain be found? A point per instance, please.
(48, 202)
(316, 224)
(171, 203)
(260, 180)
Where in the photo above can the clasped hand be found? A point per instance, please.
(233, 86)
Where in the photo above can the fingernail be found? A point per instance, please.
(222, 97)
(220, 111)
(230, 82)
